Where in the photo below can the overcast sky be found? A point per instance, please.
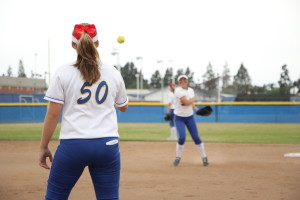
(263, 34)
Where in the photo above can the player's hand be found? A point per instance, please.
(44, 153)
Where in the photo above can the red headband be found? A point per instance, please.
(89, 29)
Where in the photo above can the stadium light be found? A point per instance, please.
(162, 78)
(141, 71)
(173, 72)
(116, 52)
(137, 86)
(35, 65)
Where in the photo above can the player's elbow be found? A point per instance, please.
(54, 110)
(186, 103)
(123, 108)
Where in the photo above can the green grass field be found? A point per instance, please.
(210, 132)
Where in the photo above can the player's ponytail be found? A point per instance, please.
(88, 60)
(172, 87)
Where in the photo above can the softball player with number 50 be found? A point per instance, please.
(87, 92)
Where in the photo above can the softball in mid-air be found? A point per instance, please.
(121, 39)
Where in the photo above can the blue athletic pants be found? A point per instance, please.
(190, 123)
(172, 124)
(73, 155)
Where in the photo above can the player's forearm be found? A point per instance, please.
(48, 129)
(168, 108)
(189, 102)
(195, 108)
(123, 108)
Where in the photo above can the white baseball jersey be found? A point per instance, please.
(88, 110)
(171, 100)
(180, 110)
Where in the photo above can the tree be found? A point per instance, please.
(297, 85)
(285, 83)
(189, 74)
(178, 73)
(129, 72)
(210, 80)
(9, 71)
(145, 83)
(168, 78)
(21, 72)
(225, 76)
(155, 81)
(271, 89)
(242, 80)
(258, 89)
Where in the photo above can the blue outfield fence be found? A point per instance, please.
(22, 113)
(258, 112)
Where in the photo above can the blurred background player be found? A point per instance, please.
(184, 106)
(170, 110)
(87, 91)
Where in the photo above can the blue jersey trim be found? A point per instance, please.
(54, 99)
(123, 102)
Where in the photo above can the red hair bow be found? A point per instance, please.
(89, 29)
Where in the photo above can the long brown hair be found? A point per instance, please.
(172, 89)
(88, 59)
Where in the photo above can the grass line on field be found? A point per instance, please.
(272, 133)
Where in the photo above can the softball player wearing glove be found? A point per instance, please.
(185, 97)
(87, 92)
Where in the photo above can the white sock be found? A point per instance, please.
(173, 133)
(201, 149)
(179, 150)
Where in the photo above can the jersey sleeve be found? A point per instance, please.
(121, 97)
(171, 97)
(192, 93)
(55, 91)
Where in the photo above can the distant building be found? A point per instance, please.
(137, 95)
(22, 85)
(263, 97)
(31, 90)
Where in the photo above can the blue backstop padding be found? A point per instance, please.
(151, 114)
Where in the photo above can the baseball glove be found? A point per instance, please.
(167, 117)
(205, 111)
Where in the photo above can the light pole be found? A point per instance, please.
(218, 86)
(137, 86)
(35, 64)
(162, 79)
(173, 72)
(116, 52)
(141, 71)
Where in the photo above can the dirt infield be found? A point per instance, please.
(236, 171)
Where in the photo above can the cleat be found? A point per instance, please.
(176, 161)
(205, 161)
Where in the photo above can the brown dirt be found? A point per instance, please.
(236, 171)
